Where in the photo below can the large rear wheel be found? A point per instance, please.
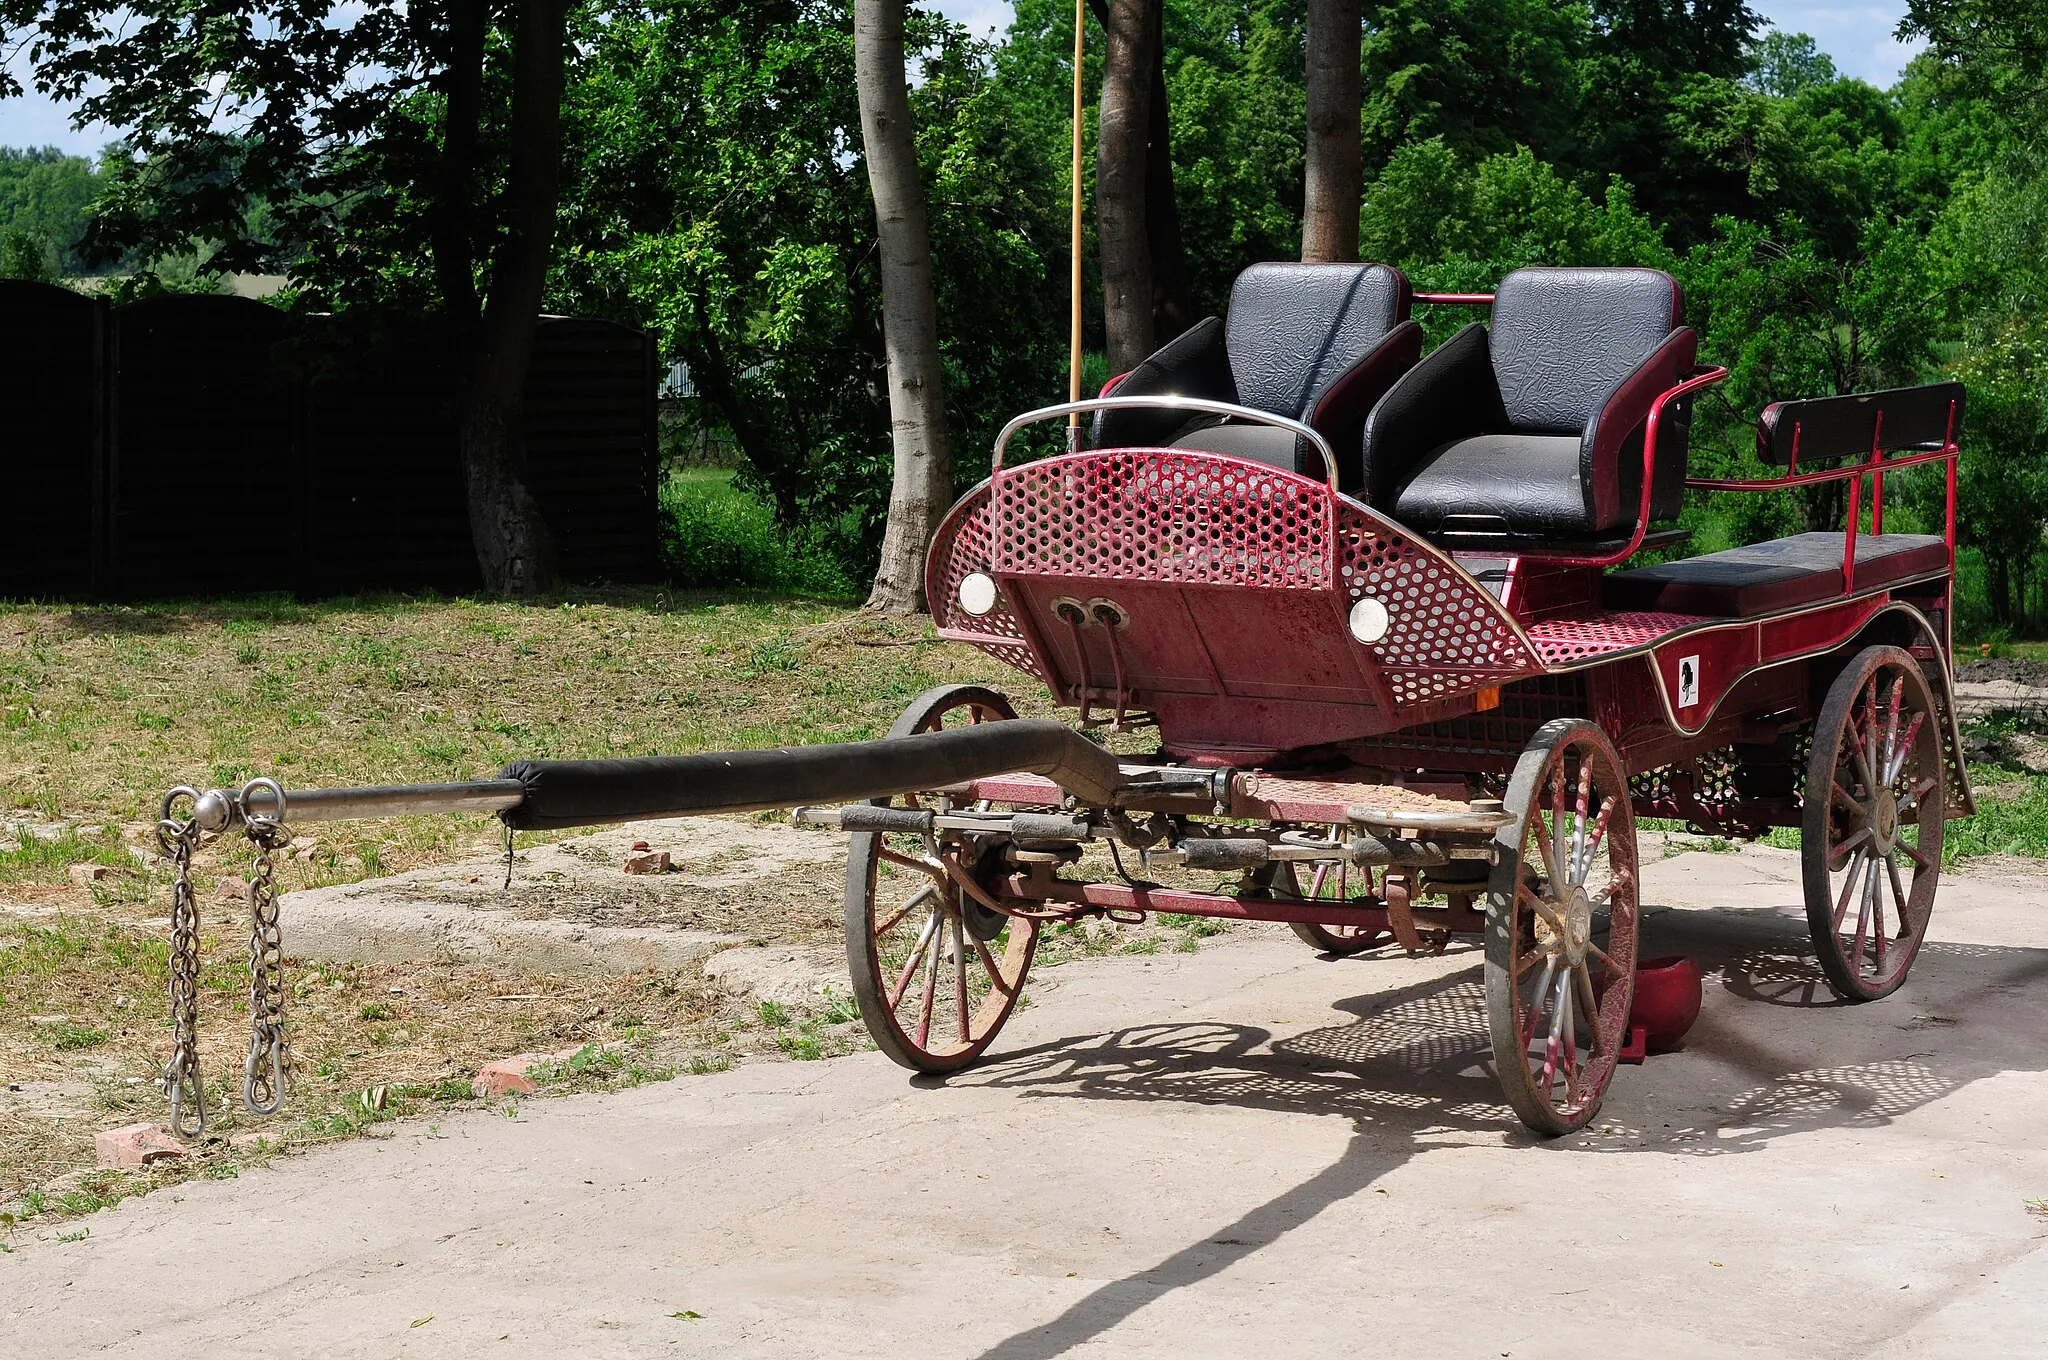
(1557, 993)
(1876, 804)
(936, 973)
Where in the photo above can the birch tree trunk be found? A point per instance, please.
(1329, 220)
(923, 482)
(1123, 125)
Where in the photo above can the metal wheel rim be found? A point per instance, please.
(932, 995)
(1557, 996)
(1331, 882)
(1871, 844)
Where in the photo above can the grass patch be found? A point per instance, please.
(715, 534)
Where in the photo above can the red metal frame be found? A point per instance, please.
(1457, 299)
(1699, 380)
(1875, 466)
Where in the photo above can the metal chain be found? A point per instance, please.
(181, 1075)
(269, 1069)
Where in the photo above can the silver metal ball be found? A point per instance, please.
(213, 811)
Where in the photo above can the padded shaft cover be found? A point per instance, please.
(1779, 574)
(1563, 339)
(1293, 329)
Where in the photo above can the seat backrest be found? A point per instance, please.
(1561, 339)
(1292, 329)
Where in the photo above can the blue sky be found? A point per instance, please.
(1857, 36)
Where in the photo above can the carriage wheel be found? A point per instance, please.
(1557, 998)
(935, 972)
(1877, 762)
(1332, 882)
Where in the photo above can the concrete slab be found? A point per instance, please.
(1244, 1151)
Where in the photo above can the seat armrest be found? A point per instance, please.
(1621, 417)
(1339, 414)
(1190, 365)
(1451, 394)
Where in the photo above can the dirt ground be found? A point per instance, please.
(1246, 1149)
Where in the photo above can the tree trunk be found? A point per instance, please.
(1173, 307)
(923, 483)
(513, 546)
(454, 211)
(1123, 121)
(1329, 220)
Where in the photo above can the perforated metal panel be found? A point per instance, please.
(1163, 515)
(964, 544)
(1561, 641)
(1445, 635)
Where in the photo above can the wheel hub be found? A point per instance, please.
(1578, 926)
(1568, 939)
(1884, 820)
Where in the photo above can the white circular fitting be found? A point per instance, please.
(977, 593)
(1369, 620)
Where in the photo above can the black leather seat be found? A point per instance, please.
(1780, 574)
(1318, 343)
(1531, 433)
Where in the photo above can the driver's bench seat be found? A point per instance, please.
(1530, 434)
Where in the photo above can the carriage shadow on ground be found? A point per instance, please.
(1413, 1070)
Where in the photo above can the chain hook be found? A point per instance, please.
(176, 839)
(263, 1090)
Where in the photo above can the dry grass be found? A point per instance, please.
(103, 709)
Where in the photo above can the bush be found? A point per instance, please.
(714, 534)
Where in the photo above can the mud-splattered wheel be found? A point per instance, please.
(1557, 992)
(936, 973)
(1875, 808)
(1331, 883)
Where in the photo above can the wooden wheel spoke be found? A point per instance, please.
(910, 964)
(1584, 868)
(1534, 1014)
(1891, 725)
(1863, 917)
(1579, 821)
(1848, 887)
(960, 973)
(1541, 907)
(1906, 927)
(989, 966)
(1582, 979)
(1898, 761)
(1543, 840)
(931, 992)
(896, 917)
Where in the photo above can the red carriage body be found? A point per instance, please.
(1319, 666)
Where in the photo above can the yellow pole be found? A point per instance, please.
(1074, 282)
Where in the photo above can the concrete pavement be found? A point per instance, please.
(1249, 1150)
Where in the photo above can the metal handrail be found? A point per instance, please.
(1201, 404)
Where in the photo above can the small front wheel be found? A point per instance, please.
(1331, 884)
(936, 973)
(1557, 996)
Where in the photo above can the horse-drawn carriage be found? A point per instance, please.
(1375, 606)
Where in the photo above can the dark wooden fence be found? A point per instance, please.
(201, 445)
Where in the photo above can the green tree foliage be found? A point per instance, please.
(719, 201)
(45, 199)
